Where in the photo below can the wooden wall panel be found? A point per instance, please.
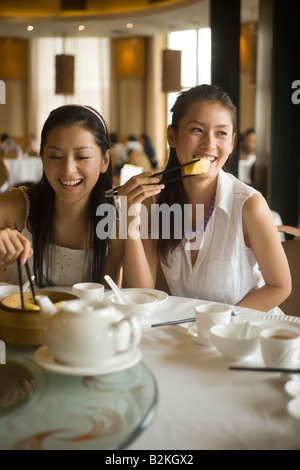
(13, 63)
(129, 57)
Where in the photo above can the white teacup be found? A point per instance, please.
(89, 291)
(210, 314)
(280, 347)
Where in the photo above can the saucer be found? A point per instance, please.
(199, 339)
(159, 294)
(276, 321)
(44, 359)
(293, 407)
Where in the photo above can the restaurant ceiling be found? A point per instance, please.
(107, 18)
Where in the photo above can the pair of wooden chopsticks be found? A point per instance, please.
(114, 191)
(17, 226)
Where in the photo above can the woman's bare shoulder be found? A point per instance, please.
(12, 208)
(255, 207)
(258, 221)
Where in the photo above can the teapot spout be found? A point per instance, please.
(46, 306)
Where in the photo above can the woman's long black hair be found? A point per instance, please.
(175, 192)
(42, 198)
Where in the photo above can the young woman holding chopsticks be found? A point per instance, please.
(239, 258)
(57, 216)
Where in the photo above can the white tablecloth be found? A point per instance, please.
(204, 405)
(23, 170)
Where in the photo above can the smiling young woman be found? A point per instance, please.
(58, 214)
(236, 255)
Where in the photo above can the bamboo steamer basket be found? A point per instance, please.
(24, 327)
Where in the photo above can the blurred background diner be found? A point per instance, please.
(136, 154)
(148, 149)
(248, 144)
(247, 156)
(131, 60)
(9, 147)
(32, 148)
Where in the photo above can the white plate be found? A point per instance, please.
(44, 359)
(159, 294)
(292, 387)
(273, 321)
(293, 407)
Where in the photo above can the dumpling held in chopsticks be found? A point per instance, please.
(199, 167)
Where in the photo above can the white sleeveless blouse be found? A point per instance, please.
(225, 270)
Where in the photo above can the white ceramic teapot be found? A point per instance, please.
(84, 333)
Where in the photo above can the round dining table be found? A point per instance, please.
(203, 404)
(181, 395)
(42, 409)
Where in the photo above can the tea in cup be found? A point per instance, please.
(280, 347)
(89, 291)
(210, 314)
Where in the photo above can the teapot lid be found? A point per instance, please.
(84, 306)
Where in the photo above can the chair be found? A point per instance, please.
(291, 306)
(4, 177)
(289, 229)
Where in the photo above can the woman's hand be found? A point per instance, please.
(13, 245)
(132, 196)
(140, 187)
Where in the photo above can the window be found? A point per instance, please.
(195, 46)
(92, 76)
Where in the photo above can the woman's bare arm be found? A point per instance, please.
(260, 233)
(12, 243)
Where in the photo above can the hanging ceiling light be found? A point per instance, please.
(171, 71)
(64, 78)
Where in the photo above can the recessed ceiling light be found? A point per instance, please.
(129, 25)
(30, 28)
(81, 27)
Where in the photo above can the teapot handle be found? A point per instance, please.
(128, 334)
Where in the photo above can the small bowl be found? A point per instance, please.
(227, 341)
(8, 289)
(145, 304)
(89, 290)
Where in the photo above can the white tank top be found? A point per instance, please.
(69, 264)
